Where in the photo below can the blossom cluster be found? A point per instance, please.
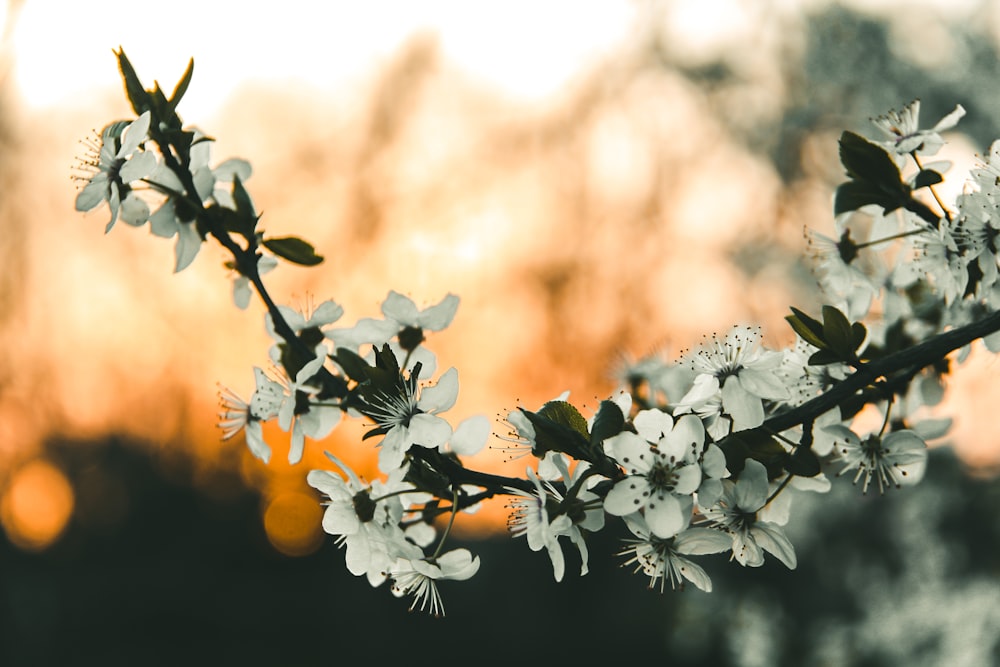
(701, 455)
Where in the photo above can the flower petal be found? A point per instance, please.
(627, 496)
(442, 395)
(439, 316)
(470, 435)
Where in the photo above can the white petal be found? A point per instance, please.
(630, 451)
(297, 443)
(441, 396)
(92, 193)
(687, 438)
(951, 120)
(470, 436)
(665, 515)
(688, 479)
(458, 564)
(746, 409)
(134, 211)
(254, 433)
(694, 573)
(140, 166)
(751, 487)
(439, 316)
(233, 167)
(627, 496)
(700, 541)
(429, 431)
(400, 308)
(393, 449)
(163, 222)
(188, 245)
(135, 134)
(653, 424)
(764, 384)
(241, 292)
(704, 388)
(773, 540)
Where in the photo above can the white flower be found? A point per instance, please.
(166, 223)
(904, 129)
(662, 478)
(298, 320)
(317, 421)
(896, 459)
(117, 164)
(405, 322)
(530, 517)
(841, 273)
(239, 416)
(365, 519)
(736, 514)
(409, 417)
(419, 576)
(936, 253)
(740, 373)
(586, 511)
(661, 560)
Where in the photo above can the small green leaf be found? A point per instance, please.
(182, 86)
(558, 428)
(810, 330)
(923, 210)
(566, 414)
(293, 249)
(927, 178)
(803, 462)
(853, 195)
(823, 357)
(756, 444)
(866, 161)
(244, 204)
(858, 333)
(837, 332)
(356, 368)
(609, 421)
(137, 95)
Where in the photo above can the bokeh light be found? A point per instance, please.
(36, 505)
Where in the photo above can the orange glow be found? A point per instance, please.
(36, 506)
(581, 210)
(292, 521)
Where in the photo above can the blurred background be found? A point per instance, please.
(597, 181)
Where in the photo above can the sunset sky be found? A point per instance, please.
(527, 156)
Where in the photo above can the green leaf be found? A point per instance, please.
(182, 86)
(803, 462)
(927, 178)
(823, 357)
(866, 161)
(754, 443)
(853, 195)
(923, 210)
(837, 332)
(609, 421)
(558, 428)
(858, 333)
(293, 249)
(137, 95)
(566, 414)
(810, 330)
(356, 368)
(244, 204)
